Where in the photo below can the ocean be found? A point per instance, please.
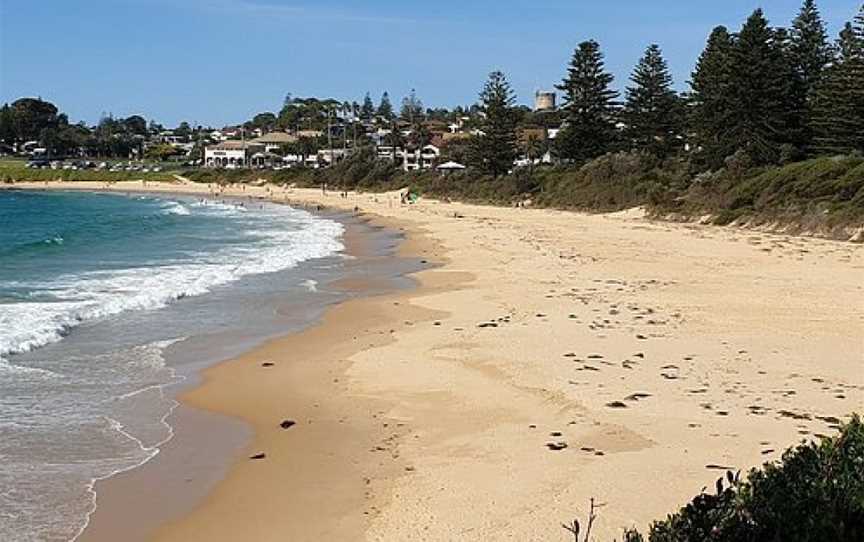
(107, 303)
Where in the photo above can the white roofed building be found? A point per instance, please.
(230, 154)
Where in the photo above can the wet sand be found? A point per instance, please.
(132, 504)
(549, 358)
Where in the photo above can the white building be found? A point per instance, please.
(411, 159)
(422, 158)
(230, 154)
(331, 156)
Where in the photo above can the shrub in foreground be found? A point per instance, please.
(815, 493)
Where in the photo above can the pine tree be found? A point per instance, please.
(652, 113)
(795, 107)
(710, 101)
(495, 149)
(760, 88)
(385, 108)
(7, 125)
(810, 54)
(367, 111)
(590, 105)
(412, 108)
(838, 108)
(856, 76)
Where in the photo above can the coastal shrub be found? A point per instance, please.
(739, 164)
(814, 493)
(826, 192)
(614, 182)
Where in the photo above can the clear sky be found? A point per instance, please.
(213, 62)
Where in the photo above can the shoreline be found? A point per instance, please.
(129, 502)
(313, 468)
(646, 348)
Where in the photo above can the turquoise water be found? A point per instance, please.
(95, 289)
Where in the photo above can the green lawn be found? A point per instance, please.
(15, 170)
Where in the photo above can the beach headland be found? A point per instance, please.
(547, 359)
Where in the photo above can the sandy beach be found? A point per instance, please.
(546, 359)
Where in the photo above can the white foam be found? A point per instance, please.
(293, 236)
(149, 453)
(10, 368)
(175, 208)
(139, 449)
(311, 285)
(153, 356)
(217, 207)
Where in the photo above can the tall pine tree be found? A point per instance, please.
(856, 75)
(412, 108)
(651, 112)
(810, 54)
(590, 105)
(385, 108)
(367, 111)
(710, 101)
(494, 150)
(760, 88)
(838, 108)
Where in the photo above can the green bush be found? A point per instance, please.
(815, 493)
(829, 190)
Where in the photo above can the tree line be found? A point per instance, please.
(760, 96)
(36, 120)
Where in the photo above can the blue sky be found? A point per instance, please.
(221, 61)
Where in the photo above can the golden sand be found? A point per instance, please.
(659, 354)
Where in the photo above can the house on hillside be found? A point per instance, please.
(420, 158)
(275, 140)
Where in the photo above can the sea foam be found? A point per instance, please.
(291, 237)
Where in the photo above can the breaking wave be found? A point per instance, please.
(291, 237)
